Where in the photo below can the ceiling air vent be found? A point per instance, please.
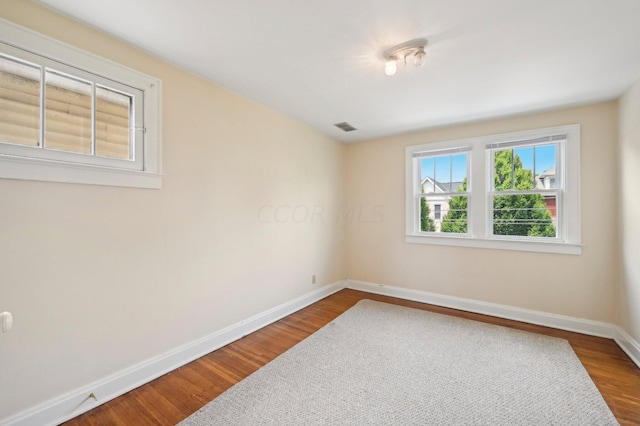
(345, 126)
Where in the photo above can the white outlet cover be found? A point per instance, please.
(7, 321)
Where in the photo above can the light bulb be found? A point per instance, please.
(419, 58)
(390, 67)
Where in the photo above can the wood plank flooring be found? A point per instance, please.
(174, 396)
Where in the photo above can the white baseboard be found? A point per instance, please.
(630, 346)
(77, 402)
(578, 325)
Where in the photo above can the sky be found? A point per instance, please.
(447, 168)
(453, 168)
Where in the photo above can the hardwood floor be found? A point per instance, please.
(174, 396)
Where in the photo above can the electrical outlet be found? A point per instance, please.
(313, 279)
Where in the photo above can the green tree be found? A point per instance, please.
(522, 214)
(426, 223)
(456, 219)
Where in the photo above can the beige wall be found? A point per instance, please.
(581, 286)
(630, 211)
(88, 271)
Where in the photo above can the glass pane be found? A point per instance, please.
(546, 167)
(530, 215)
(427, 167)
(443, 214)
(443, 172)
(513, 169)
(67, 113)
(458, 173)
(454, 215)
(19, 102)
(427, 223)
(503, 170)
(113, 115)
(523, 168)
(446, 173)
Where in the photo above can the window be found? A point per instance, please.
(516, 191)
(443, 181)
(69, 116)
(522, 197)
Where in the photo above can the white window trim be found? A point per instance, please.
(479, 225)
(30, 168)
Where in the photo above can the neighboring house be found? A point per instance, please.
(547, 180)
(438, 204)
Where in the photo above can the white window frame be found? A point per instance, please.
(36, 163)
(479, 183)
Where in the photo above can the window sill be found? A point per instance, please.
(532, 246)
(58, 171)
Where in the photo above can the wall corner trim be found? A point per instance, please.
(74, 403)
(627, 343)
(562, 322)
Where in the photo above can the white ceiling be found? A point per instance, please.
(320, 61)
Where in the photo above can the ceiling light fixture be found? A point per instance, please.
(402, 51)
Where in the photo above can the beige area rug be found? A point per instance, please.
(381, 364)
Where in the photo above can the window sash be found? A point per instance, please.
(559, 149)
(41, 151)
(418, 167)
(444, 196)
(557, 222)
(440, 198)
(491, 149)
